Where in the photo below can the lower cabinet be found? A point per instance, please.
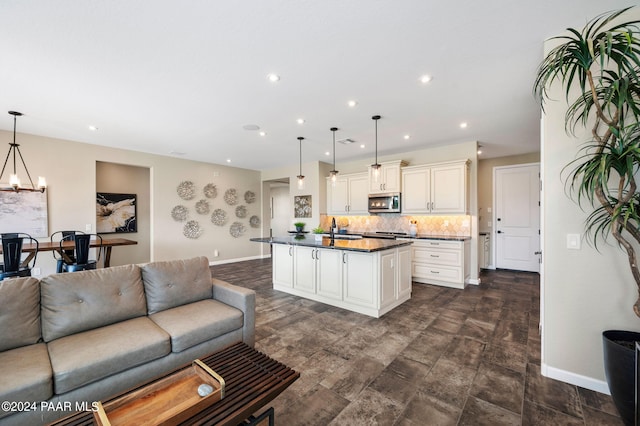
(444, 263)
(370, 283)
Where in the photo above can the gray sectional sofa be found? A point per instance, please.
(84, 336)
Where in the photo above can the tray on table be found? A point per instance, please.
(167, 401)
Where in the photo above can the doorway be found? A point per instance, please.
(517, 217)
(280, 208)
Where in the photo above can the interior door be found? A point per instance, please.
(517, 217)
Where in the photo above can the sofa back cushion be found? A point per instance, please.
(176, 282)
(79, 301)
(20, 312)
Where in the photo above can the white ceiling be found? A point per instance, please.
(161, 76)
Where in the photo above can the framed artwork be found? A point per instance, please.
(24, 212)
(115, 213)
(302, 206)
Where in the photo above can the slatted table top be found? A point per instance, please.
(252, 381)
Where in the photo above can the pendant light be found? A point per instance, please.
(334, 173)
(14, 181)
(375, 167)
(300, 176)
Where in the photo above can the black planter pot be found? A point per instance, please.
(620, 370)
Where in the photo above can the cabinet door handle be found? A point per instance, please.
(344, 257)
(434, 255)
(435, 272)
(435, 244)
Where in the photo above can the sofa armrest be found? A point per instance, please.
(240, 298)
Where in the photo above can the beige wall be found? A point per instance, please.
(123, 179)
(70, 169)
(584, 291)
(485, 183)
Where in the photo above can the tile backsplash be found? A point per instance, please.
(458, 225)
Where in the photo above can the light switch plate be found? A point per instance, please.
(573, 241)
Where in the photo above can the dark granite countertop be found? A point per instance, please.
(364, 245)
(438, 237)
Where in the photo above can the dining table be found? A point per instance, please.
(106, 244)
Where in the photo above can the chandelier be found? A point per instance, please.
(14, 181)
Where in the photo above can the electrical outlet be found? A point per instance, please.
(87, 227)
(216, 253)
(489, 224)
(35, 271)
(573, 241)
(446, 223)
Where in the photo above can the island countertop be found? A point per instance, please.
(365, 244)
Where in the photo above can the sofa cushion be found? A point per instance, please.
(26, 375)
(85, 357)
(192, 324)
(79, 301)
(176, 282)
(20, 313)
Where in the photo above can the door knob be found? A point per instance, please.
(499, 232)
(498, 219)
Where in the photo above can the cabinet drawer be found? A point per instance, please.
(438, 273)
(451, 245)
(437, 257)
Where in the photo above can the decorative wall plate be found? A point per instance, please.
(179, 213)
(231, 197)
(254, 221)
(241, 212)
(249, 197)
(192, 229)
(237, 229)
(219, 217)
(186, 190)
(202, 207)
(210, 191)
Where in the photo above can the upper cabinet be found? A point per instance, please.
(348, 195)
(389, 178)
(436, 189)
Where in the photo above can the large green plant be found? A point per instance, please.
(603, 62)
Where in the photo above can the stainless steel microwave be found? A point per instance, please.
(384, 203)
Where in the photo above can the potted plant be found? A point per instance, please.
(603, 62)
(318, 231)
(299, 226)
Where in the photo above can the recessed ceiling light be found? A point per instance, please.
(177, 153)
(93, 128)
(463, 125)
(425, 79)
(352, 103)
(251, 127)
(273, 77)
(263, 133)
(300, 120)
(407, 137)
(228, 160)
(362, 146)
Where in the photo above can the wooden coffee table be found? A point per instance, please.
(252, 381)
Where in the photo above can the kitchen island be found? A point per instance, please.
(368, 276)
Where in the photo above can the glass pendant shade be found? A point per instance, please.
(334, 173)
(375, 167)
(300, 176)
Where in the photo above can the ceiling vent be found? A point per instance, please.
(346, 141)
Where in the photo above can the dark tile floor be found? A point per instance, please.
(446, 357)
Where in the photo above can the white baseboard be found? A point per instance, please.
(239, 259)
(475, 282)
(575, 379)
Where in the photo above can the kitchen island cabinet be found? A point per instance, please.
(441, 261)
(368, 276)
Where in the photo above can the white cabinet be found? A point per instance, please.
(436, 189)
(360, 278)
(389, 178)
(318, 271)
(370, 283)
(349, 195)
(444, 263)
(282, 271)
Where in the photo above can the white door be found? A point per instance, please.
(517, 217)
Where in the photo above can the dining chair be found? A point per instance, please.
(82, 246)
(69, 253)
(12, 265)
